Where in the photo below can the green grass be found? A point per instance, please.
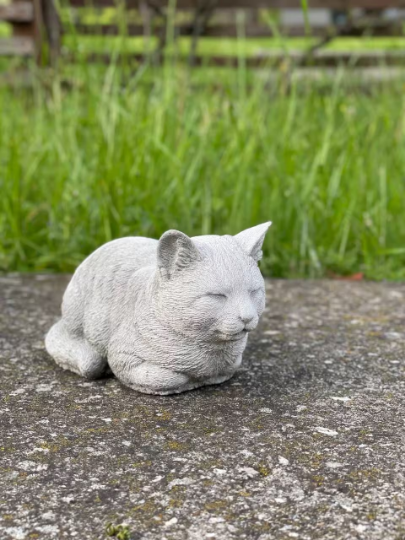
(5, 30)
(113, 154)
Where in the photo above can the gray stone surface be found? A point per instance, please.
(306, 441)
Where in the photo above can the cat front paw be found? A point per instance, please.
(152, 379)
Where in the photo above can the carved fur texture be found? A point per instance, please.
(164, 316)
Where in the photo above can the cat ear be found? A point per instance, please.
(251, 240)
(176, 251)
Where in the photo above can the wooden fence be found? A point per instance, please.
(34, 23)
(37, 30)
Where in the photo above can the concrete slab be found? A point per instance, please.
(307, 441)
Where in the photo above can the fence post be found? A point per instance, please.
(52, 28)
(37, 31)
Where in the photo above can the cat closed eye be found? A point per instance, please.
(217, 295)
(255, 291)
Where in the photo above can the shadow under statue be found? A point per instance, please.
(165, 316)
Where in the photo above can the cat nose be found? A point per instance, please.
(246, 319)
(247, 314)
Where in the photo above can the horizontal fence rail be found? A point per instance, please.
(19, 12)
(269, 59)
(230, 30)
(16, 46)
(250, 4)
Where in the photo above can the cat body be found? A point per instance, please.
(165, 316)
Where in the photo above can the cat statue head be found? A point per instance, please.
(209, 288)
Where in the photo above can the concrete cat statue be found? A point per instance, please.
(165, 316)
